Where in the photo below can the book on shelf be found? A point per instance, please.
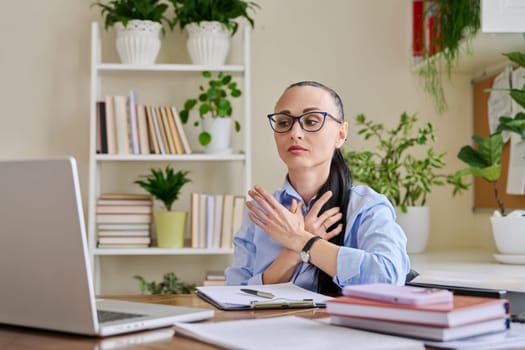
(122, 124)
(174, 136)
(207, 283)
(194, 217)
(124, 240)
(210, 216)
(227, 221)
(203, 205)
(125, 202)
(238, 210)
(158, 132)
(122, 246)
(181, 131)
(123, 233)
(133, 124)
(213, 275)
(423, 331)
(463, 310)
(165, 130)
(123, 218)
(154, 142)
(110, 125)
(102, 135)
(135, 196)
(143, 130)
(217, 220)
(124, 209)
(123, 226)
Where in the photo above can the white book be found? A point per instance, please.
(195, 218)
(121, 123)
(132, 114)
(217, 221)
(111, 128)
(210, 214)
(203, 205)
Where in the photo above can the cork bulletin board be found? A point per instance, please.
(483, 191)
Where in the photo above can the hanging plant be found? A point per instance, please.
(455, 24)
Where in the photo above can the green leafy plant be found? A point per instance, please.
(214, 101)
(457, 23)
(170, 284)
(125, 10)
(164, 185)
(223, 11)
(484, 161)
(393, 169)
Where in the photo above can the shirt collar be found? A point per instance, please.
(288, 193)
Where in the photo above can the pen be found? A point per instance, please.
(258, 293)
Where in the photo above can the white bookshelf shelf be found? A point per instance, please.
(164, 251)
(114, 67)
(170, 157)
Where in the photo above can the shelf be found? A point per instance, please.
(164, 251)
(113, 67)
(170, 157)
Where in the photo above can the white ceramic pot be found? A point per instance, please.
(509, 233)
(416, 224)
(208, 43)
(220, 130)
(138, 42)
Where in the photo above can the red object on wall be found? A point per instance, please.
(418, 28)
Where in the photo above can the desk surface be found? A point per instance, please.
(469, 269)
(22, 338)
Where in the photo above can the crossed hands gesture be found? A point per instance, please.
(288, 226)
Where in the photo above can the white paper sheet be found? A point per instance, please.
(290, 332)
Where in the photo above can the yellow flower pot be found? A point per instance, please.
(171, 228)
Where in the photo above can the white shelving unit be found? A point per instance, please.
(99, 70)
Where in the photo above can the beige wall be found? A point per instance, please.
(359, 47)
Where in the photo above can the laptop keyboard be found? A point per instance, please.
(108, 316)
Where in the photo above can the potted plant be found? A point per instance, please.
(138, 24)
(170, 284)
(453, 24)
(165, 186)
(210, 24)
(484, 161)
(215, 111)
(394, 170)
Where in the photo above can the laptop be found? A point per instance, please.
(45, 275)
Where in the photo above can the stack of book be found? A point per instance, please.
(125, 126)
(214, 278)
(214, 219)
(464, 316)
(123, 220)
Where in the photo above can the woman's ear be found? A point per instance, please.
(341, 136)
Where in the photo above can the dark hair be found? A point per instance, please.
(339, 182)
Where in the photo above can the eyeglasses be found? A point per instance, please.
(309, 122)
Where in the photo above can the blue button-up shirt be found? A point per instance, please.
(374, 247)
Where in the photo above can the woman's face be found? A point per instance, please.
(302, 150)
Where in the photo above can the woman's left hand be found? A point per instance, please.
(285, 226)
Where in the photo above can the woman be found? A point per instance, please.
(317, 231)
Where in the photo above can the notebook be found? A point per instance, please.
(45, 275)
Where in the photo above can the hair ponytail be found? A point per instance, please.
(339, 182)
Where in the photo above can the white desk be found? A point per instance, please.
(472, 269)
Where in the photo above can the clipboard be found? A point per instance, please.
(287, 296)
